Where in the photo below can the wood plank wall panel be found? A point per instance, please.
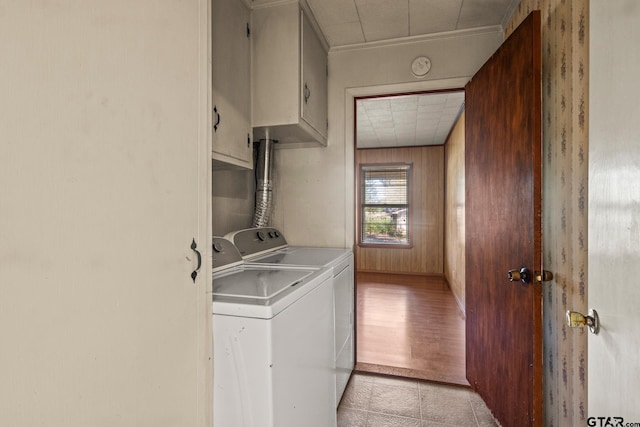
(454, 211)
(427, 254)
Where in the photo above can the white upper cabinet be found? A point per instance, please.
(231, 69)
(289, 77)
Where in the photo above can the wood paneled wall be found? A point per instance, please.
(426, 255)
(454, 211)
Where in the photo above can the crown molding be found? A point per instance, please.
(419, 38)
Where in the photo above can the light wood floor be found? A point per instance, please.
(409, 326)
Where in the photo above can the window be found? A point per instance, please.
(384, 204)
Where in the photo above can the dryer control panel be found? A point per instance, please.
(225, 254)
(254, 241)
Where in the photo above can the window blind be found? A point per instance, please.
(385, 204)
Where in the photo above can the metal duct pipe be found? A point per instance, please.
(264, 184)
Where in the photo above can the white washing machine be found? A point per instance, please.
(268, 246)
(272, 344)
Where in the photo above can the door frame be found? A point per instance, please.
(351, 94)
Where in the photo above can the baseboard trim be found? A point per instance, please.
(404, 273)
(460, 305)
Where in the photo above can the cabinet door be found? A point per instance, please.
(104, 162)
(231, 66)
(314, 78)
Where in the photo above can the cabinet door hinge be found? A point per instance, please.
(248, 30)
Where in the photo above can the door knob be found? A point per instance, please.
(524, 275)
(578, 320)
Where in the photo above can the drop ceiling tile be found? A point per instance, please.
(432, 99)
(427, 124)
(404, 107)
(390, 142)
(406, 140)
(405, 136)
(343, 34)
(404, 99)
(338, 21)
(384, 131)
(402, 123)
(433, 16)
(334, 11)
(375, 115)
(368, 143)
(405, 116)
(482, 13)
(451, 109)
(429, 109)
(376, 104)
(364, 127)
(455, 96)
(405, 131)
(383, 19)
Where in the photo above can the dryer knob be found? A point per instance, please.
(261, 236)
(217, 247)
(272, 234)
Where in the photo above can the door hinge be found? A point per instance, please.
(248, 30)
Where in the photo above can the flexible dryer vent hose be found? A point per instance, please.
(264, 184)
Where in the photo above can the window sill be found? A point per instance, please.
(384, 246)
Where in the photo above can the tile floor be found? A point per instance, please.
(380, 401)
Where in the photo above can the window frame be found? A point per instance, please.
(408, 166)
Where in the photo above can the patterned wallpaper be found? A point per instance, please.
(565, 59)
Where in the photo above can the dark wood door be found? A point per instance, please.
(503, 228)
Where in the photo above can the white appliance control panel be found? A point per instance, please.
(255, 241)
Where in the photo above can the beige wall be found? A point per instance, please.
(315, 197)
(565, 68)
(427, 198)
(454, 239)
(233, 200)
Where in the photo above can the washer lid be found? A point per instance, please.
(258, 284)
(301, 256)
